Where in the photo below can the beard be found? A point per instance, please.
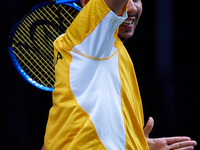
(125, 36)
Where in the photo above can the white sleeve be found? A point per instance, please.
(99, 43)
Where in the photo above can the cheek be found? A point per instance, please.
(140, 9)
(139, 13)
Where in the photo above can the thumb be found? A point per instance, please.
(149, 126)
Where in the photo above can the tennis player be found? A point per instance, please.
(96, 101)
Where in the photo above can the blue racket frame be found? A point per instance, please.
(13, 57)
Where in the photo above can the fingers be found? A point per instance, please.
(183, 146)
(172, 140)
(181, 143)
(148, 128)
(186, 148)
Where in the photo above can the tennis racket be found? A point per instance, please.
(30, 42)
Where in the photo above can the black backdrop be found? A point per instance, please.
(169, 82)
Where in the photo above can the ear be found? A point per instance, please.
(84, 2)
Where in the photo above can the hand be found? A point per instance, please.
(171, 143)
(43, 148)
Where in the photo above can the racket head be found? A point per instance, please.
(30, 42)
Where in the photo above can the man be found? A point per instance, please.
(96, 101)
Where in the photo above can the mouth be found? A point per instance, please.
(128, 22)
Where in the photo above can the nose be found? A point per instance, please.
(132, 9)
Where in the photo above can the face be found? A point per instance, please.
(127, 28)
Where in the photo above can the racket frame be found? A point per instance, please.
(12, 33)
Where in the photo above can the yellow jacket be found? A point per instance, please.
(96, 101)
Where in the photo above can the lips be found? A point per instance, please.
(129, 22)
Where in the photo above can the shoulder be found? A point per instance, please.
(95, 16)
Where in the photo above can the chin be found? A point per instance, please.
(125, 36)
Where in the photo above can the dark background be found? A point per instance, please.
(165, 53)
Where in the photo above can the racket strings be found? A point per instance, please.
(32, 68)
(43, 18)
(67, 16)
(49, 39)
(33, 41)
(22, 36)
(24, 30)
(31, 58)
(32, 17)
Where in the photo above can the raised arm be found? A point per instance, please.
(116, 5)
